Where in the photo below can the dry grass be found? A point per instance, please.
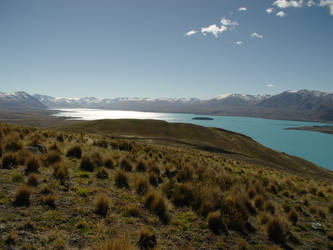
(147, 240)
(9, 161)
(102, 174)
(22, 196)
(121, 243)
(141, 185)
(74, 152)
(121, 179)
(156, 202)
(32, 180)
(33, 165)
(276, 230)
(102, 205)
(215, 223)
(87, 164)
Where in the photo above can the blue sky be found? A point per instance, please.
(112, 48)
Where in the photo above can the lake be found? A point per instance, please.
(313, 146)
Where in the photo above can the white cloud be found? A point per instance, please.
(228, 22)
(286, 4)
(213, 29)
(269, 10)
(270, 85)
(327, 3)
(239, 42)
(310, 3)
(281, 14)
(256, 35)
(242, 9)
(191, 33)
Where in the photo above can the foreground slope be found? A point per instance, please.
(160, 185)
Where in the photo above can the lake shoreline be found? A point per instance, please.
(320, 129)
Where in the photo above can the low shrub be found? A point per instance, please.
(276, 230)
(22, 196)
(32, 180)
(121, 179)
(102, 205)
(102, 174)
(87, 164)
(153, 179)
(74, 152)
(9, 161)
(147, 240)
(141, 185)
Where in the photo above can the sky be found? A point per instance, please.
(165, 48)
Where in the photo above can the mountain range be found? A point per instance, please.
(302, 105)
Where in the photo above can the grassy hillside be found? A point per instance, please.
(209, 139)
(166, 186)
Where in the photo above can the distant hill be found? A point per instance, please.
(19, 101)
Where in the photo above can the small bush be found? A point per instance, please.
(126, 165)
(102, 205)
(22, 196)
(269, 207)
(32, 180)
(87, 164)
(33, 165)
(121, 179)
(50, 200)
(293, 216)
(147, 239)
(276, 230)
(141, 167)
(109, 163)
(74, 152)
(9, 161)
(141, 185)
(13, 146)
(215, 222)
(157, 204)
(102, 174)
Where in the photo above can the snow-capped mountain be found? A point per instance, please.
(19, 100)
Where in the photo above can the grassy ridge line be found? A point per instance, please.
(209, 139)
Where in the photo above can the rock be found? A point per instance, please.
(38, 148)
(316, 226)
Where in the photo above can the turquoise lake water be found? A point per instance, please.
(313, 146)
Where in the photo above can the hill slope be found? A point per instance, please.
(209, 139)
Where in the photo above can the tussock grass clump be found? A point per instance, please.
(60, 138)
(126, 165)
(153, 179)
(1, 150)
(60, 172)
(9, 161)
(102, 205)
(55, 147)
(258, 202)
(52, 158)
(101, 143)
(156, 203)
(87, 164)
(50, 200)
(180, 194)
(22, 196)
(97, 159)
(330, 208)
(292, 216)
(121, 179)
(74, 152)
(33, 165)
(13, 145)
(121, 243)
(269, 207)
(108, 163)
(185, 174)
(147, 240)
(215, 222)
(243, 245)
(102, 174)
(11, 238)
(276, 230)
(141, 185)
(329, 235)
(32, 180)
(141, 167)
